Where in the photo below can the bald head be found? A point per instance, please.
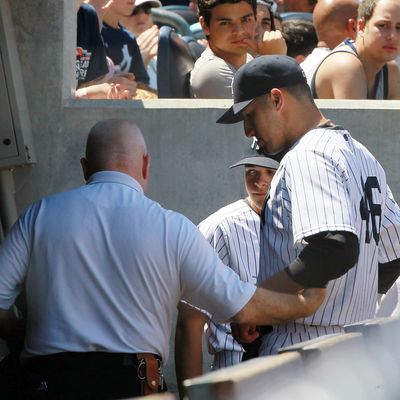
(116, 145)
(334, 20)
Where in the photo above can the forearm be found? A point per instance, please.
(98, 91)
(188, 344)
(281, 282)
(188, 357)
(268, 307)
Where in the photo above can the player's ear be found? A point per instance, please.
(360, 27)
(351, 28)
(204, 26)
(276, 98)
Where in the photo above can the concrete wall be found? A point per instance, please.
(190, 153)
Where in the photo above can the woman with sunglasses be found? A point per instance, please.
(141, 24)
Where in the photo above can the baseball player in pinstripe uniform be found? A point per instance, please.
(234, 232)
(330, 218)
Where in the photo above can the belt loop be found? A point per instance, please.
(149, 373)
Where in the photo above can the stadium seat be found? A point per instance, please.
(175, 59)
(184, 11)
(163, 17)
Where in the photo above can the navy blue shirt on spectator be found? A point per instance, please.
(91, 62)
(122, 48)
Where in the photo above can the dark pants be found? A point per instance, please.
(94, 375)
(10, 378)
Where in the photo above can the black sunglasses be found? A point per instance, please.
(146, 8)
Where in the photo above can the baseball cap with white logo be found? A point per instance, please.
(254, 156)
(257, 78)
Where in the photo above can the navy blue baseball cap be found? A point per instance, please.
(254, 156)
(257, 78)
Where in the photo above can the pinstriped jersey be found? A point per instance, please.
(330, 182)
(234, 232)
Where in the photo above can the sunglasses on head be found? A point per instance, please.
(146, 8)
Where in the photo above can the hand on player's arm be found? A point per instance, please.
(279, 283)
(188, 343)
(271, 43)
(244, 333)
(270, 307)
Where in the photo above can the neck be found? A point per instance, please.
(127, 24)
(253, 206)
(323, 45)
(111, 19)
(314, 120)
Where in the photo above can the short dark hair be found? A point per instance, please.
(206, 6)
(366, 9)
(301, 91)
(300, 37)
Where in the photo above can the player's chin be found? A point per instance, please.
(240, 48)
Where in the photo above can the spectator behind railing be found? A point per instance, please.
(140, 23)
(300, 38)
(92, 69)
(229, 26)
(334, 21)
(365, 68)
(264, 18)
(121, 45)
(265, 21)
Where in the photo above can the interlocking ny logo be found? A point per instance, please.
(370, 212)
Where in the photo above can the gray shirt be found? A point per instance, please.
(211, 77)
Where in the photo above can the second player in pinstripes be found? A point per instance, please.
(233, 231)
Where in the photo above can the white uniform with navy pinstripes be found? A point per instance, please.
(323, 183)
(234, 233)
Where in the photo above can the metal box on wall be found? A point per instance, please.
(16, 141)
